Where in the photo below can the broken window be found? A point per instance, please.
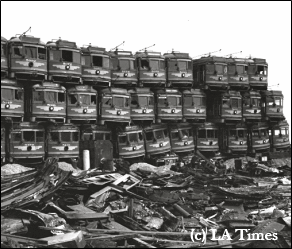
(145, 64)
(133, 137)
(202, 133)
(126, 102)
(40, 136)
(75, 136)
(140, 136)
(278, 101)
(185, 133)
(159, 134)
(50, 97)
(210, 69)
(16, 136)
(226, 103)
(122, 139)
(65, 136)
(61, 97)
(29, 136)
(17, 51)
(42, 53)
(97, 61)
(93, 99)
(255, 102)
(73, 99)
(6, 94)
(179, 101)
(149, 135)
(174, 135)
(84, 99)
(263, 70)
(87, 136)
(38, 96)
(115, 63)
(67, 55)
(30, 52)
(18, 95)
(165, 133)
(151, 101)
(134, 102)
(107, 101)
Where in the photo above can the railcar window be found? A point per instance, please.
(16, 136)
(106, 62)
(185, 133)
(263, 70)
(251, 69)
(143, 101)
(87, 136)
(93, 99)
(283, 131)
(2, 135)
(151, 101)
(197, 101)
(115, 63)
(18, 95)
(226, 103)
(172, 65)
(277, 132)
(172, 101)
(270, 133)
(210, 69)
(140, 136)
(174, 135)
(40, 136)
(118, 101)
(154, 64)
(18, 52)
(263, 133)
(165, 133)
(219, 69)
(84, 99)
(287, 131)
(42, 53)
(255, 102)
(54, 136)
(182, 65)
(235, 103)
(51, 97)
(149, 135)
(231, 69)
(126, 64)
(107, 101)
(75, 136)
(29, 136)
(278, 102)
(55, 55)
(133, 137)
(66, 136)
(162, 65)
(3, 50)
(232, 133)
(85, 60)
(134, 102)
(76, 57)
(162, 102)
(73, 98)
(188, 101)
(145, 64)
(179, 101)
(159, 134)
(107, 136)
(61, 97)
(38, 96)
(98, 136)
(216, 133)
(6, 94)
(190, 65)
(97, 61)
(201, 133)
(30, 52)
(241, 133)
(255, 133)
(122, 139)
(126, 102)
(240, 69)
(210, 134)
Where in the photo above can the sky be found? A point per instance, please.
(258, 29)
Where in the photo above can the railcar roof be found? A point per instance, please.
(149, 54)
(177, 55)
(62, 44)
(210, 59)
(26, 39)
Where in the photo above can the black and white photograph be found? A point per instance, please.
(145, 124)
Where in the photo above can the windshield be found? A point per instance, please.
(241, 69)
(188, 101)
(154, 64)
(126, 64)
(185, 133)
(241, 133)
(231, 69)
(278, 101)
(84, 99)
(219, 68)
(30, 52)
(17, 51)
(159, 134)
(199, 101)
(71, 56)
(263, 70)
(6, 94)
(162, 101)
(50, 97)
(212, 133)
(182, 65)
(100, 61)
(106, 101)
(255, 102)
(28, 136)
(235, 103)
(172, 65)
(202, 133)
(118, 101)
(210, 69)
(133, 137)
(226, 103)
(172, 101)
(65, 136)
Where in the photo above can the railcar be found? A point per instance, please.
(3, 143)
(258, 73)
(156, 139)
(224, 107)
(95, 66)
(128, 142)
(237, 74)
(211, 73)
(27, 58)
(26, 143)
(12, 100)
(233, 139)
(63, 141)
(81, 104)
(142, 105)
(179, 69)
(181, 138)
(4, 58)
(95, 132)
(64, 62)
(206, 137)
(46, 101)
(114, 105)
(168, 105)
(258, 138)
(124, 71)
(272, 105)
(151, 69)
(279, 136)
(251, 106)
(164, 160)
(194, 105)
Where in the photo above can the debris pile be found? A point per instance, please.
(141, 205)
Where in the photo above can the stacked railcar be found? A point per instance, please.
(179, 70)
(4, 59)
(26, 142)
(81, 104)
(46, 101)
(3, 143)
(39, 83)
(151, 67)
(64, 62)
(96, 68)
(27, 58)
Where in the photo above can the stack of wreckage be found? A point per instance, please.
(140, 205)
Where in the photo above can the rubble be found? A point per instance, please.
(144, 206)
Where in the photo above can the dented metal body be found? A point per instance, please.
(4, 58)
(27, 58)
(151, 69)
(12, 100)
(64, 62)
(46, 101)
(179, 69)
(96, 68)
(211, 73)
(82, 104)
